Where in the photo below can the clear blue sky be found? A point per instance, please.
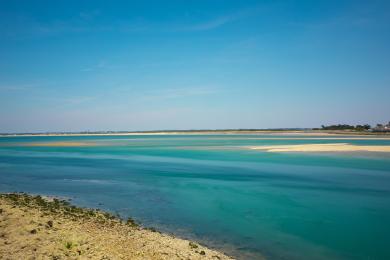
(147, 65)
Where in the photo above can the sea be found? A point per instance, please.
(214, 189)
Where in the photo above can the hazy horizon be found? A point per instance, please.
(160, 130)
(70, 66)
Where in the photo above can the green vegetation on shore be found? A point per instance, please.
(345, 127)
(381, 128)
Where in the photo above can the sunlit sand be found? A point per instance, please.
(60, 144)
(336, 147)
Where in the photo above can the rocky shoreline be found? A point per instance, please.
(36, 227)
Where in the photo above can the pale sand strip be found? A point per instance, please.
(336, 147)
(59, 144)
(32, 232)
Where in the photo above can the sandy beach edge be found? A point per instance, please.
(330, 147)
(51, 228)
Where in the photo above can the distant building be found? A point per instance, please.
(382, 128)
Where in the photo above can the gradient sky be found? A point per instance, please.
(148, 65)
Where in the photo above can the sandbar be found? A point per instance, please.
(333, 147)
(60, 144)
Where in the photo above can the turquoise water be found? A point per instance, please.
(211, 188)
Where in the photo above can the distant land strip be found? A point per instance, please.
(286, 131)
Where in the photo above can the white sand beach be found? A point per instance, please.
(334, 147)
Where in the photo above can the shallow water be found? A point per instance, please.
(213, 189)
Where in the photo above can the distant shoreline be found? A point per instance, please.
(207, 132)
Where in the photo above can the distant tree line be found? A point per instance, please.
(345, 127)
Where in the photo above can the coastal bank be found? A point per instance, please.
(36, 227)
